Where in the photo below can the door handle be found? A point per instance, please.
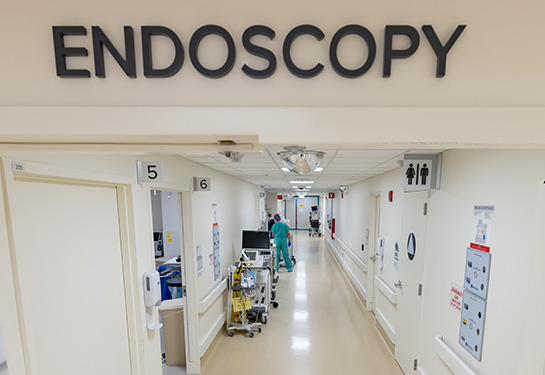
(399, 284)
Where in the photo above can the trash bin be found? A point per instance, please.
(172, 318)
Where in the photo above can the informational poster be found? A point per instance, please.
(456, 297)
(481, 236)
(214, 212)
(396, 256)
(417, 175)
(216, 252)
(199, 261)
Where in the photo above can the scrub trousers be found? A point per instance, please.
(282, 246)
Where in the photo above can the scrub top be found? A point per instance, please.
(280, 231)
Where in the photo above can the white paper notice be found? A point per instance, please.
(481, 235)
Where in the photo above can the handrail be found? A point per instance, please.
(207, 301)
(346, 269)
(451, 359)
(386, 290)
(351, 252)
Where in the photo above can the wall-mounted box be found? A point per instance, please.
(477, 272)
(472, 324)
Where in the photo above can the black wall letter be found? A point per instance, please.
(147, 32)
(292, 35)
(390, 54)
(61, 52)
(371, 46)
(100, 40)
(194, 49)
(259, 51)
(440, 50)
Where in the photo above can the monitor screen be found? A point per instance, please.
(255, 239)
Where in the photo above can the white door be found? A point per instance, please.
(411, 268)
(68, 261)
(289, 212)
(303, 207)
(373, 261)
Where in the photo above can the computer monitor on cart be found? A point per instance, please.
(255, 239)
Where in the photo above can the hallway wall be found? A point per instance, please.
(512, 181)
(236, 202)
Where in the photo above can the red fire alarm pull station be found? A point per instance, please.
(331, 195)
(391, 196)
(279, 197)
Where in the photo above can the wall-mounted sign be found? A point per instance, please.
(101, 42)
(148, 172)
(331, 195)
(201, 183)
(481, 236)
(279, 197)
(417, 174)
(456, 296)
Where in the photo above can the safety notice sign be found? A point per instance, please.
(456, 296)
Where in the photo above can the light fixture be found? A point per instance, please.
(299, 160)
(285, 169)
(301, 182)
(318, 169)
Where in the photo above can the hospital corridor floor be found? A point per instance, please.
(319, 327)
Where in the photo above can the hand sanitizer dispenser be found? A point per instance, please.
(152, 296)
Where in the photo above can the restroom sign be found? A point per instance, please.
(417, 174)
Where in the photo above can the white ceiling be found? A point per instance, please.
(342, 166)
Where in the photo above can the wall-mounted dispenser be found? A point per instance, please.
(152, 296)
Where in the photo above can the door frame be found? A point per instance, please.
(189, 274)
(45, 173)
(374, 232)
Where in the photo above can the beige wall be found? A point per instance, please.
(495, 62)
(236, 211)
(511, 181)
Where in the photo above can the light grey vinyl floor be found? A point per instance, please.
(319, 328)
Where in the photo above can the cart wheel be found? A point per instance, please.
(273, 295)
(293, 260)
(275, 304)
(259, 330)
(230, 333)
(250, 334)
(264, 319)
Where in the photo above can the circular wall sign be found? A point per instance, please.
(411, 246)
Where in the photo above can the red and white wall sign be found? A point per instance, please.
(456, 296)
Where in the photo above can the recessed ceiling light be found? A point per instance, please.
(318, 169)
(308, 187)
(285, 169)
(301, 182)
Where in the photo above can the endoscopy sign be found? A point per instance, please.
(125, 55)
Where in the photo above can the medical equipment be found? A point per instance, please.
(314, 218)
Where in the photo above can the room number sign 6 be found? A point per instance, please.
(201, 183)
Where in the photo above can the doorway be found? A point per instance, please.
(297, 211)
(71, 265)
(167, 217)
(373, 260)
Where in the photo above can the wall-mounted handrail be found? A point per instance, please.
(386, 290)
(361, 264)
(451, 359)
(346, 269)
(209, 299)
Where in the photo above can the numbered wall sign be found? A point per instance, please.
(149, 172)
(201, 183)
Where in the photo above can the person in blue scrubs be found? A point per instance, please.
(282, 238)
